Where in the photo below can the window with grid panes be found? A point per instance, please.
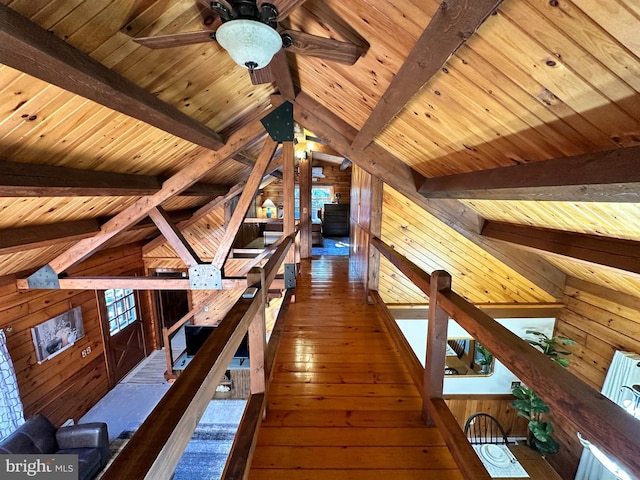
(319, 196)
(121, 308)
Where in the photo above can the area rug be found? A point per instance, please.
(207, 451)
(332, 246)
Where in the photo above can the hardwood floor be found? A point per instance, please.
(341, 404)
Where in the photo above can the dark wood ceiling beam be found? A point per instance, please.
(380, 163)
(201, 189)
(29, 48)
(260, 75)
(623, 256)
(608, 176)
(13, 240)
(281, 75)
(31, 180)
(452, 25)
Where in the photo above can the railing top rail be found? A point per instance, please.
(155, 449)
(598, 418)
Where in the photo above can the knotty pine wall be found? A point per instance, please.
(67, 385)
(339, 179)
(360, 221)
(601, 321)
(463, 406)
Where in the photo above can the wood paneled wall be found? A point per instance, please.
(499, 406)
(67, 385)
(339, 179)
(360, 221)
(601, 321)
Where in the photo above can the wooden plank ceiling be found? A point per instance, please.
(539, 80)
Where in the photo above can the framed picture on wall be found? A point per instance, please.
(57, 334)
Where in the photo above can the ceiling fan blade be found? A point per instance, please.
(327, 48)
(175, 40)
(284, 7)
(260, 76)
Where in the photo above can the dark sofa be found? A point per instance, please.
(90, 441)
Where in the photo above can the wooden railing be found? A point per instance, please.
(156, 447)
(468, 462)
(598, 418)
(239, 460)
(169, 332)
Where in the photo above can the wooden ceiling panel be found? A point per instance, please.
(434, 246)
(618, 220)
(19, 212)
(200, 80)
(522, 89)
(592, 274)
(204, 237)
(30, 259)
(78, 133)
(564, 78)
(575, 57)
(154, 18)
(352, 91)
(617, 19)
(395, 288)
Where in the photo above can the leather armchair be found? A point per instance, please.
(90, 441)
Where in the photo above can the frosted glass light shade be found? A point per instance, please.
(250, 43)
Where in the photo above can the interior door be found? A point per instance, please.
(126, 350)
(172, 306)
(123, 331)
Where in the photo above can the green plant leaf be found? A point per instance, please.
(519, 392)
(550, 446)
(524, 414)
(537, 405)
(529, 404)
(523, 405)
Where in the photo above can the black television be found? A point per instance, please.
(196, 335)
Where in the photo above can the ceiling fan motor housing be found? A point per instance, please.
(247, 10)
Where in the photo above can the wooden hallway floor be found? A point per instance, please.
(341, 405)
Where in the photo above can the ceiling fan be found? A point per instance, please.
(248, 30)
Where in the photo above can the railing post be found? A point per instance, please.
(257, 333)
(375, 230)
(436, 344)
(168, 354)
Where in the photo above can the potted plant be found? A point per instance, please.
(484, 358)
(530, 405)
